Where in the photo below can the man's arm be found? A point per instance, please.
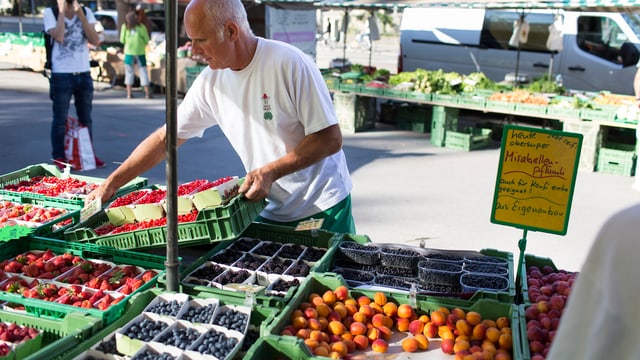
(312, 148)
(149, 153)
(89, 29)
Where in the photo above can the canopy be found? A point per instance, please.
(592, 5)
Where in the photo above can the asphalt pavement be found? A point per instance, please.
(405, 189)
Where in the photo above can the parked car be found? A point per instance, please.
(109, 21)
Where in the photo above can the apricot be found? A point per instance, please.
(314, 324)
(447, 346)
(438, 318)
(444, 332)
(377, 309)
(385, 332)
(316, 335)
(463, 327)
(351, 346)
(430, 330)
(489, 323)
(287, 332)
(502, 322)
(317, 301)
(324, 323)
(460, 345)
(367, 310)
(336, 328)
(423, 342)
(479, 332)
(405, 311)
(361, 341)
(358, 328)
(296, 313)
(329, 297)
(424, 318)
(341, 292)
(351, 309)
(364, 300)
(474, 318)
(341, 310)
(311, 343)
(334, 316)
(492, 334)
(451, 320)
(463, 355)
(360, 317)
(416, 327)
(390, 309)
(305, 305)
(444, 310)
(323, 310)
(300, 322)
(312, 296)
(380, 298)
(505, 342)
(402, 325)
(502, 355)
(373, 334)
(340, 347)
(303, 333)
(351, 301)
(346, 336)
(321, 351)
(380, 345)
(335, 355)
(409, 344)
(310, 313)
(458, 312)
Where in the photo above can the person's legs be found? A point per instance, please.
(60, 91)
(144, 74)
(129, 73)
(83, 96)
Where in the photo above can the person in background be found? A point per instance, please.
(600, 320)
(135, 38)
(270, 101)
(72, 30)
(143, 19)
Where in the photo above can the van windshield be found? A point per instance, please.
(633, 19)
(499, 24)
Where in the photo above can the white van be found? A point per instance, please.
(599, 49)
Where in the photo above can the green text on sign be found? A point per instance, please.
(536, 177)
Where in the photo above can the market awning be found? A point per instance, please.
(596, 5)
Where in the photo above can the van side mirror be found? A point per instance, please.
(629, 54)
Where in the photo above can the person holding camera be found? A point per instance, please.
(72, 29)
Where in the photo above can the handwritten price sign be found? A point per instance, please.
(536, 177)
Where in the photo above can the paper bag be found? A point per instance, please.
(78, 147)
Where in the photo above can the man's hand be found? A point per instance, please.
(257, 184)
(103, 192)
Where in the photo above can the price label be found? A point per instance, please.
(90, 208)
(311, 224)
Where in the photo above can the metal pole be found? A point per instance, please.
(172, 263)
(344, 38)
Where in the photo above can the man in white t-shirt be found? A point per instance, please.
(270, 101)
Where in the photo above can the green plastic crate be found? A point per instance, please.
(418, 96)
(500, 106)
(319, 283)
(355, 113)
(531, 109)
(47, 309)
(602, 114)
(562, 112)
(476, 139)
(58, 336)
(351, 88)
(398, 94)
(531, 260)
(279, 347)
(212, 225)
(75, 203)
(445, 99)
(617, 159)
(414, 118)
(443, 119)
(191, 73)
(333, 83)
(275, 233)
(372, 90)
(472, 101)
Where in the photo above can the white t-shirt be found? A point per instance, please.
(265, 110)
(73, 54)
(600, 320)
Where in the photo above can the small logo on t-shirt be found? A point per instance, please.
(266, 107)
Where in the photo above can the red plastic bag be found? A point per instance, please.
(78, 148)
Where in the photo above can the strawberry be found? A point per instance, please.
(148, 275)
(87, 304)
(48, 255)
(94, 283)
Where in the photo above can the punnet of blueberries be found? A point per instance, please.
(231, 319)
(199, 314)
(169, 308)
(145, 330)
(109, 346)
(399, 257)
(179, 336)
(216, 343)
(152, 355)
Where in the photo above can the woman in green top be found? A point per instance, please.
(135, 38)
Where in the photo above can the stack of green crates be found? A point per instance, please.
(617, 159)
(355, 113)
(443, 119)
(413, 117)
(192, 73)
